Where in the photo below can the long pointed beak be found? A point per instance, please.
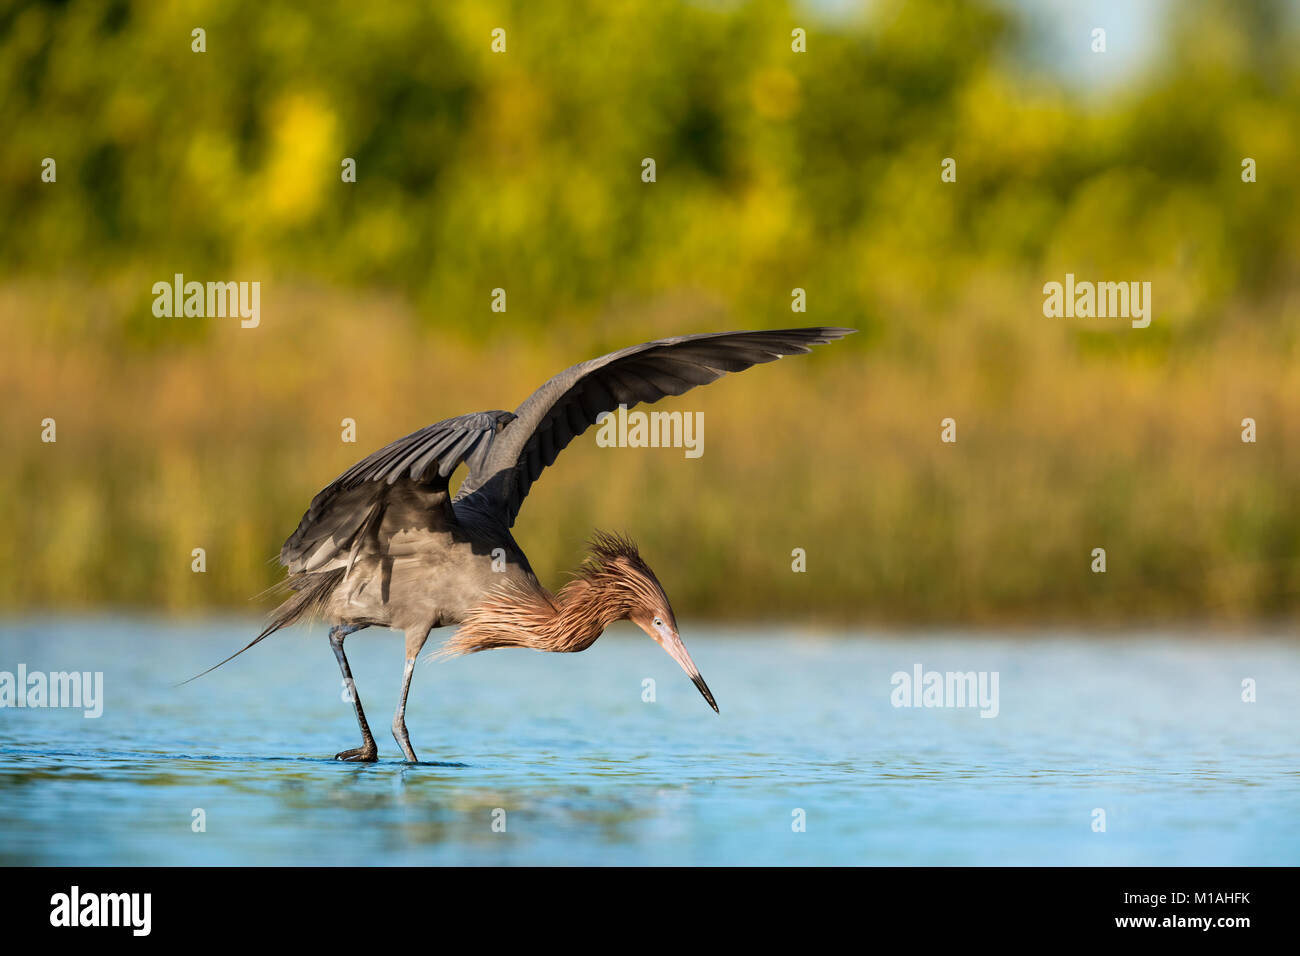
(677, 651)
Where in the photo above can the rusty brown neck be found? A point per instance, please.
(566, 622)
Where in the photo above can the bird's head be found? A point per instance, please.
(616, 570)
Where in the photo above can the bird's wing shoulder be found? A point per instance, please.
(402, 485)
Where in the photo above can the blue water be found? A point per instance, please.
(1149, 728)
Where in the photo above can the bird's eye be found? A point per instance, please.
(659, 622)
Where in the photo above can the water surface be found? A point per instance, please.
(1149, 728)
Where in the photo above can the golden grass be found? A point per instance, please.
(200, 434)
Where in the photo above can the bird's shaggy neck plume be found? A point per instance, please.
(611, 584)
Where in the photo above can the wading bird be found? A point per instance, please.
(386, 544)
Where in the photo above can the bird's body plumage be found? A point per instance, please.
(387, 544)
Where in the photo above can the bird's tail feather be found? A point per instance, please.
(311, 591)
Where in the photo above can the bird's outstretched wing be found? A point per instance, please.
(403, 486)
(400, 487)
(569, 403)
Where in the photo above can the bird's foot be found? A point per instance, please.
(366, 753)
(407, 751)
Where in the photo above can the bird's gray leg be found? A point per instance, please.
(367, 751)
(414, 641)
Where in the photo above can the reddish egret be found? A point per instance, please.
(386, 544)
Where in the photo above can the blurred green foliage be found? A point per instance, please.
(775, 170)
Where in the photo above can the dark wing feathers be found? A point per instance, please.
(341, 515)
(448, 443)
(570, 403)
(505, 452)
